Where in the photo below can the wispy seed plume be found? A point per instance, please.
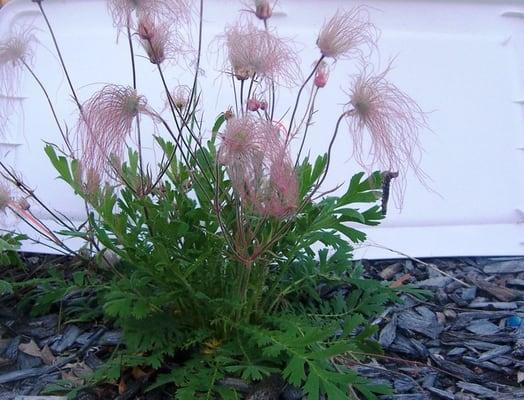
(346, 33)
(393, 121)
(106, 123)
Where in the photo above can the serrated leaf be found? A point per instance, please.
(351, 323)
(294, 372)
(5, 288)
(312, 387)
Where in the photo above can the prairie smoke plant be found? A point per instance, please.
(253, 52)
(346, 32)
(228, 246)
(392, 119)
(105, 124)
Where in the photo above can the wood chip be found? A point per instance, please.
(30, 348)
(500, 292)
(505, 267)
(47, 356)
(388, 272)
(400, 281)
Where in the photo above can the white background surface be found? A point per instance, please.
(463, 61)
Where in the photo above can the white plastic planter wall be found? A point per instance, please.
(463, 61)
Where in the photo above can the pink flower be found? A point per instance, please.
(321, 75)
(258, 53)
(392, 119)
(106, 122)
(172, 11)
(345, 32)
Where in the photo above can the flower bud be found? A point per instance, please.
(229, 115)
(253, 105)
(144, 30)
(321, 75)
(263, 10)
(263, 105)
(23, 204)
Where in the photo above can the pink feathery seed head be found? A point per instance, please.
(253, 104)
(277, 192)
(106, 122)
(170, 11)
(157, 40)
(345, 33)
(180, 96)
(145, 29)
(255, 52)
(392, 119)
(321, 75)
(239, 140)
(241, 151)
(6, 197)
(284, 188)
(16, 51)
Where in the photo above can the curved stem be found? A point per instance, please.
(308, 124)
(300, 94)
(242, 96)
(53, 111)
(59, 53)
(22, 186)
(235, 93)
(199, 56)
(132, 53)
(249, 90)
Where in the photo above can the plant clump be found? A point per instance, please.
(226, 256)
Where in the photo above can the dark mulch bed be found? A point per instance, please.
(464, 342)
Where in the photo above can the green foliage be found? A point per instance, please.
(9, 247)
(9, 257)
(243, 300)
